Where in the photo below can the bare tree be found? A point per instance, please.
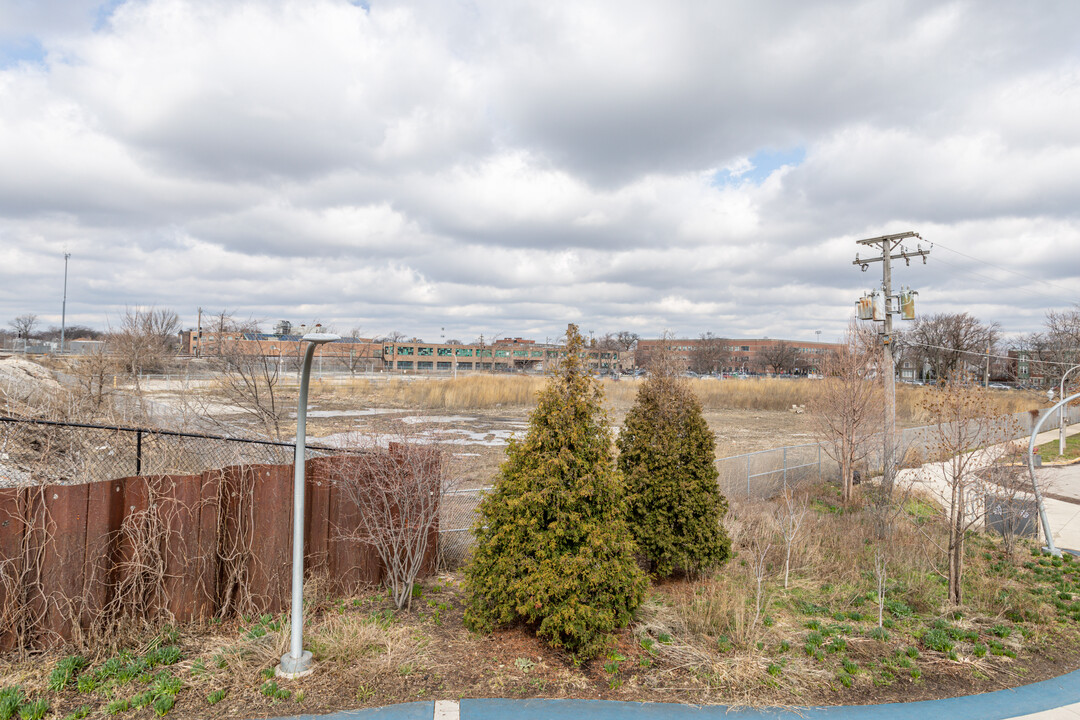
(849, 411)
(92, 371)
(625, 341)
(971, 438)
(1054, 350)
(709, 354)
(949, 342)
(146, 340)
(398, 492)
(250, 380)
(777, 357)
(24, 325)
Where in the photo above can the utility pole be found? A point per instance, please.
(63, 305)
(888, 245)
(986, 372)
(198, 334)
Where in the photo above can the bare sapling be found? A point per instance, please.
(398, 493)
(881, 574)
(848, 414)
(790, 516)
(972, 440)
(759, 567)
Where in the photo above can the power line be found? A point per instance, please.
(1004, 269)
(983, 354)
(1038, 292)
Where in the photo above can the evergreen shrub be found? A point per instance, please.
(667, 454)
(552, 545)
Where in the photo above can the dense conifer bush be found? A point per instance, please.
(667, 455)
(552, 546)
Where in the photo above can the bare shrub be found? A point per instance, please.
(972, 438)
(397, 492)
(849, 412)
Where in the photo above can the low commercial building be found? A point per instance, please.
(369, 355)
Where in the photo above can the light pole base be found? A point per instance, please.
(292, 668)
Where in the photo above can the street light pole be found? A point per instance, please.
(63, 305)
(1034, 483)
(1061, 412)
(297, 662)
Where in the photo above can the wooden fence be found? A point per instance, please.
(176, 547)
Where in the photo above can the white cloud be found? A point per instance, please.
(422, 165)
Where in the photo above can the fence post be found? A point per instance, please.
(747, 477)
(138, 452)
(819, 462)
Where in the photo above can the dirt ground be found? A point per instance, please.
(477, 438)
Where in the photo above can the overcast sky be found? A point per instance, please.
(508, 167)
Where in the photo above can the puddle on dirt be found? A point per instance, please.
(349, 413)
(423, 419)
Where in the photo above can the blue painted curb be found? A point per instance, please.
(406, 711)
(997, 705)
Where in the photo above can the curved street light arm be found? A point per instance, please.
(1061, 412)
(1034, 483)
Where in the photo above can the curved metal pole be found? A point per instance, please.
(1061, 412)
(298, 661)
(1034, 484)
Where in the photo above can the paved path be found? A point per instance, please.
(1063, 514)
(1057, 699)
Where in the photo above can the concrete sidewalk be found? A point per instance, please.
(1064, 516)
(1047, 700)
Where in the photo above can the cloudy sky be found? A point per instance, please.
(508, 167)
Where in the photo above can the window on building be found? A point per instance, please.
(443, 365)
(404, 365)
(423, 364)
(425, 351)
(502, 353)
(463, 352)
(443, 352)
(405, 350)
(521, 353)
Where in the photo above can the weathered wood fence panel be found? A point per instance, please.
(177, 547)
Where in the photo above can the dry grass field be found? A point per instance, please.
(485, 392)
(745, 415)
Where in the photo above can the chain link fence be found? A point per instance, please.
(44, 452)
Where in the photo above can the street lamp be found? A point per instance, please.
(1061, 412)
(1031, 469)
(297, 662)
